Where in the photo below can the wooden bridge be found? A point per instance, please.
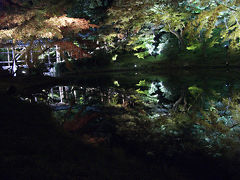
(12, 56)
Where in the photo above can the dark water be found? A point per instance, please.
(194, 112)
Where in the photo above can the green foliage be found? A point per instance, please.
(221, 16)
(94, 10)
(116, 83)
(138, 20)
(144, 92)
(141, 55)
(195, 91)
(193, 47)
(193, 23)
(114, 58)
(114, 100)
(142, 83)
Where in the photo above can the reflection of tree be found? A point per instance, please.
(197, 130)
(70, 96)
(210, 126)
(182, 99)
(169, 93)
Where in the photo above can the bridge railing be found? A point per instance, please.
(13, 56)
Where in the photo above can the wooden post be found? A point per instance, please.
(75, 94)
(31, 56)
(8, 57)
(58, 58)
(26, 56)
(14, 66)
(49, 59)
(61, 95)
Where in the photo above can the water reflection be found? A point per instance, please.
(61, 97)
(165, 114)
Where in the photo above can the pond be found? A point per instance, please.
(194, 111)
(178, 124)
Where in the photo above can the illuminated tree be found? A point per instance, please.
(37, 23)
(217, 14)
(136, 24)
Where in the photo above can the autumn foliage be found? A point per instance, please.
(74, 24)
(75, 51)
(36, 24)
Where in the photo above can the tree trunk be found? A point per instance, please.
(180, 39)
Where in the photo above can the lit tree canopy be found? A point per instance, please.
(136, 23)
(42, 20)
(32, 24)
(130, 25)
(221, 14)
(21, 20)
